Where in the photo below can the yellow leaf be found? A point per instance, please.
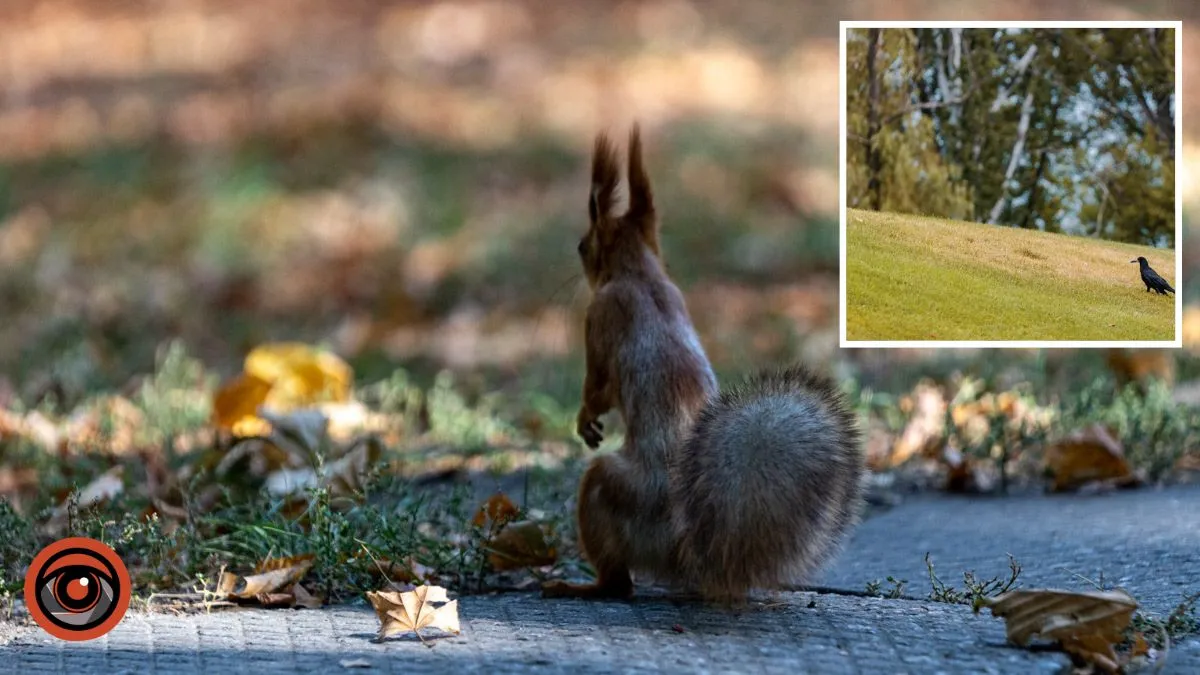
(237, 402)
(410, 611)
(299, 374)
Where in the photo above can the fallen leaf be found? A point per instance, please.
(347, 474)
(302, 598)
(237, 402)
(411, 611)
(343, 477)
(281, 377)
(1141, 365)
(926, 426)
(299, 374)
(1085, 625)
(1090, 454)
(273, 576)
(103, 488)
(521, 544)
(301, 432)
(499, 509)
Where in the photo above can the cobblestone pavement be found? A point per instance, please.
(1146, 541)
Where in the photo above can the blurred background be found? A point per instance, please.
(404, 183)
(403, 180)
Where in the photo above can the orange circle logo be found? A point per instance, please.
(77, 589)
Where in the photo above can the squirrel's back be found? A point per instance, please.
(751, 488)
(768, 484)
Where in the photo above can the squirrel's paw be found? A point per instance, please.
(589, 430)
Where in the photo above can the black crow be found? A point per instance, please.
(1151, 279)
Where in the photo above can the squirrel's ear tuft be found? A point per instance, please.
(605, 176)
(641, 198)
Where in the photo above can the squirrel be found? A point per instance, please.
(719, 492)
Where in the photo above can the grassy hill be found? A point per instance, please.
(916, 278)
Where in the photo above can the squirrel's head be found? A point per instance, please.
(617, 242)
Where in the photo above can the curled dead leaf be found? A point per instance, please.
(1085, 625)
(274, 578)
(520, 544)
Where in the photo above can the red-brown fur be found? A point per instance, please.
(668, 502)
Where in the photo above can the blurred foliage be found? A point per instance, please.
(1055, 129)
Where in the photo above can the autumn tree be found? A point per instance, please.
(1051, 129)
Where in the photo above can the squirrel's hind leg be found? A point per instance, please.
(605, 501)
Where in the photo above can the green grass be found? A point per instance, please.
(916, 278)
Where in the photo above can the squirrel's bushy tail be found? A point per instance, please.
(767, 486)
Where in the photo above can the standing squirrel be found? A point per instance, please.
(720, 492)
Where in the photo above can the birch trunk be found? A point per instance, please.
(1015, 160)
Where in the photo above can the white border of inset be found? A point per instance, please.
(1018, 344)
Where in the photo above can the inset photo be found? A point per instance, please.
(1010, 184)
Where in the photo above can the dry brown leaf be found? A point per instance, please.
(33, 426)
(926, 426)
(302, 598)
(1090, 454)
(1086, 625)
(111, 422)
(273, 576)
(498, 509)
(521, 544)
(1141, 365)
(397, 574)
(102, 488)
(411, 611)
(346, 475)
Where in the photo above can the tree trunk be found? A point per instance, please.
(1035, 192)
(1015, 159)
(874, 160)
